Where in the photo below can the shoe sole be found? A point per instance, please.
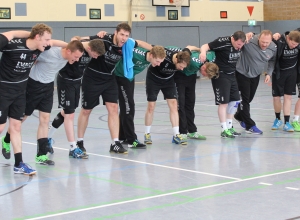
(228, 137)
(119, 152)
(147, 142)
(29, 174)
(252, 132)
(202, 139)
(42, 163)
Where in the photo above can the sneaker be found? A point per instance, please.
(288, 127)
(5, 149)
(50, 145)
(178, 139)
(24, 169)
(124, 142)
(277, 123)
(233, 132)
(117, 148)
(196, 135)
(184, 137)
(136, 144)
(241, 123)
(78, 154)
(44, 160)
(296, 126)
(81, 147)
(253, 130)
(226, 134)
(147, 139)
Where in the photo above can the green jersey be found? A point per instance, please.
(139, 61)
(195, 63)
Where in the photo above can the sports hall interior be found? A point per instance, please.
(249, 177)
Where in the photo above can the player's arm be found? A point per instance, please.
(276, 36)
(16, 34)
(202, 56)
(144, 44)
(58, 43)
(193, 48)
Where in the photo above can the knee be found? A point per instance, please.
(287, 97)
(86, 112)
(150, 108)
(112, 108)
(69, 116)
(15, 127)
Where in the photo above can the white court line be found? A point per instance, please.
(151, 164)
(267, 184)
(292, 188)
(166, 194)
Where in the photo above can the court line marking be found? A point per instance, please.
(267, 184)
(166, 194)
(151, 164)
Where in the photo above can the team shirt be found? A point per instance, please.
(103, 66)
(75, 71)
(195, 62)
(289, 57)
(139, 60)
(16, 61)
(226, 55)
(47, 65)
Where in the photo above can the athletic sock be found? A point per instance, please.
(223, 126)
(229, 123)
(7, 138)
(175, 130)
(147, 129)
(18, 159)
(277, 115)
(79, 139)
(295, 118)
(286, 119)
(72, 145)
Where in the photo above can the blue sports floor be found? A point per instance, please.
(249, 177)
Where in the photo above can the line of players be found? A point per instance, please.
(109, 64)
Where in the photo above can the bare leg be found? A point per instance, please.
(149, 113)
(113, 119)
(174, 118)
(83, 120)
(69, 125)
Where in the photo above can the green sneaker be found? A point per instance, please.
(5, 149)
(196, 135)
(226, 134)
(44, 160)
(233, 132)
(296, 126)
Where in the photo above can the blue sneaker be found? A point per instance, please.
(50, 145)
(178, 139)
(288, 127)
(78, 154)
(253, 130)
(241, 123)
(24, 169)
(277, 123)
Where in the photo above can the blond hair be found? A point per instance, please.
(212, 70)
(158, 52)
(39, 29)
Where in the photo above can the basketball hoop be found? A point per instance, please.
(178, 3)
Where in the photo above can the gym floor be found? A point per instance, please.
(249, 177)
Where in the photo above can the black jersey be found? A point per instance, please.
(75, 71)
(103, 66)
(226, 55)
(289, 57)
(16, 62)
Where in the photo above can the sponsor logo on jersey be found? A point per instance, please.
(23, 56)
(221, 39)
(137, 51)
(33, 57)
(15, 41)
(24, 65)
(290, 52)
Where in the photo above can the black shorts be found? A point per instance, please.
(155, 84)
(225, 88)
(13, 103)
(92, 90)
(39, 96)
(286, 84)
(68, 92)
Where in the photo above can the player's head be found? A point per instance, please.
(238, 39)
(157, 55)
(210, 70)
(183, 59)
(96, 48)
(74, 51)
(293, 39)
(265, 39)
(41, 33)
(122, 33)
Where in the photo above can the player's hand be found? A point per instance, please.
(202, 57)
(267, 79)
(249, 35)
(276, 36)
(101, 34)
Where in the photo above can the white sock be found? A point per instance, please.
(79, 139)
(229, 123)
(51, 131)
(147, 129)
(296, 118)
(223, 126)
(72, 145)
(175, 130)
(114, 140)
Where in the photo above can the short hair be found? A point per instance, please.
(212, 70)
(39, 29)
(97, 46)
(184, 56)
(75, 45)
(123, 26)
(294, 36)
(265, 32)
(158, 52)
(239, 35)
